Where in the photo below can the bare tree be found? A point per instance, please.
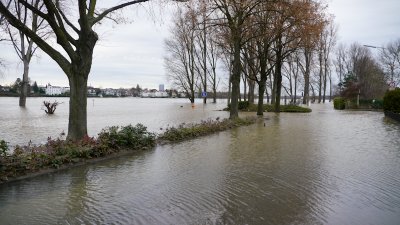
(180, 61)
(77, 39)
(23, 44)
(233, 15)
(390, 60)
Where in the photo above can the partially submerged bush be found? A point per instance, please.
(270, 108)
(339, 103)
(187, 131)
(3, 148)
(242, 106)
(391, 101)
(127, 137)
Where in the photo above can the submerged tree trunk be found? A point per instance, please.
(24, 84)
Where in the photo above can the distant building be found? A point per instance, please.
(161, 88)
(56, 90)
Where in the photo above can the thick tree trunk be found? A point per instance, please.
(261, 90)
(24, 85)
(251, 92)
(236, 71)
(278, 77)
(77, 126)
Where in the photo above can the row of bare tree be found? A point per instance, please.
(259, 42)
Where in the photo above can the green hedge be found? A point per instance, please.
(339, 103)
(391, 101)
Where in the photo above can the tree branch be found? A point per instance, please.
(58, 57)
(108, 11)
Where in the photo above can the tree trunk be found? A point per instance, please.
(244, 88)
(214, 85)
(278, 78)
(77, 126)
(250, 95)
(24, 85)
(273, 90)
(320, 77)
(307, 56)
(261, 90)
(229, 89)
(236, 71)
(325, 78)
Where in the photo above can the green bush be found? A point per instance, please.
(127, 137)
(339, 103)
(377, 104)
(391, 101)
(3, 148)
(242, 106)
(288, 108)
(187, 131)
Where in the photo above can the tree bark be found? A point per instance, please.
(307, 56)
(278, 78)
(250, 95)
(261, 90)
(236, 71)
(77, 126)
(24, 85)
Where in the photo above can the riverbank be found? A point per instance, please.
(32, 160)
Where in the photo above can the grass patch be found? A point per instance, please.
(189, 131)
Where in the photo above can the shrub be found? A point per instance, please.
(288, 108)
(187, 131)
(339, 103)
(377, 104)
(391, 101)
(3, 148)
(242, 106)
(127, 137)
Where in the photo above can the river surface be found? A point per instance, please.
(326, 167)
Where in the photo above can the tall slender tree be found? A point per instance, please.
(23, 44)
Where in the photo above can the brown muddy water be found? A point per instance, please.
(326, 167)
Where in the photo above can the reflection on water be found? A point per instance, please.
(20, 125)
(327, 167)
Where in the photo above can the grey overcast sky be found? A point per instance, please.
(132, 53)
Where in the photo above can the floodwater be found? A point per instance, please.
(326, 167)
(21, 125)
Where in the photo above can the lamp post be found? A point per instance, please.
(392, 84)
